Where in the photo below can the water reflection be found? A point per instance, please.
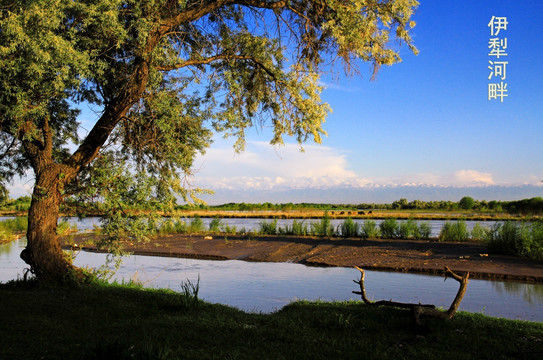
(531, 295)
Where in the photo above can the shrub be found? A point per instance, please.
(389, 228)
(479, 232)
(533, 247)
(424, 230)
(408, 229)
(323, 227)
(196, 225)
(505, 238)
(9, 227)
(64, 228)
(349, 228)
(172, 227)
(297, 228)
(369, 229)
(511, 238)
(215, 225)
(228, 229)
(454, 231)
(268, 228)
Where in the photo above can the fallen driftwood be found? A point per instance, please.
(420, 310)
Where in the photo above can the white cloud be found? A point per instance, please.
(263, 166)
(473, 177)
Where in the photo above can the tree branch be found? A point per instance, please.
(211, 59)
(419, 310)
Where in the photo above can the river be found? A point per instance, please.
(266, 287)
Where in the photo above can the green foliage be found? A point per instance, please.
(298, 228)
(370, 230)
(268, 228)
(170, 226)
(349, 228)
(162, 75)
(424, 230)
(466, 203)
(225, 228)
(519, 239)
(454, 231)
(196, 225)
(389, 228)
(215, 225)
(10, 227)
(323, 227)
(20, 204)
(64, 228)
(408, 229)
(480, 232)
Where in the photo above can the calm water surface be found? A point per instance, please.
(266, 287)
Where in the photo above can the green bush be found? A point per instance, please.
(479, 232)
(323, 227)
(297, 228)
(349, 228)
(268, 228)
(510, 238)
(64, 228)
(389, 228)
(172, 227)
(215, 225)
(9, 227)
(454, 231)
(196, 225)
(424, 230)
(228, 229)
(408, 229)
(370, 230)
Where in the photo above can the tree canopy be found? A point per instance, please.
(162, 75)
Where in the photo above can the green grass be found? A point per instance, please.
(128, 322)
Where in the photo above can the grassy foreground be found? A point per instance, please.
(128, 322)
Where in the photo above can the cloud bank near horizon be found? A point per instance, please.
(265, 168)
(265, 173)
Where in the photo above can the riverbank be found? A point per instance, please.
(428, 257)
(101, 321)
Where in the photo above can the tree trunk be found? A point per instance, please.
(43, 252)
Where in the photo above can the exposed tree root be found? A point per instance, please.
(420, 310)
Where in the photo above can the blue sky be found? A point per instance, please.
(423, 124)
(424, 129)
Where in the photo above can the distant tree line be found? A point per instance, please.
(533, 206)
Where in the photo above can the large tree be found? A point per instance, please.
(161, 76)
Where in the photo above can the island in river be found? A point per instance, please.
(379, 254)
